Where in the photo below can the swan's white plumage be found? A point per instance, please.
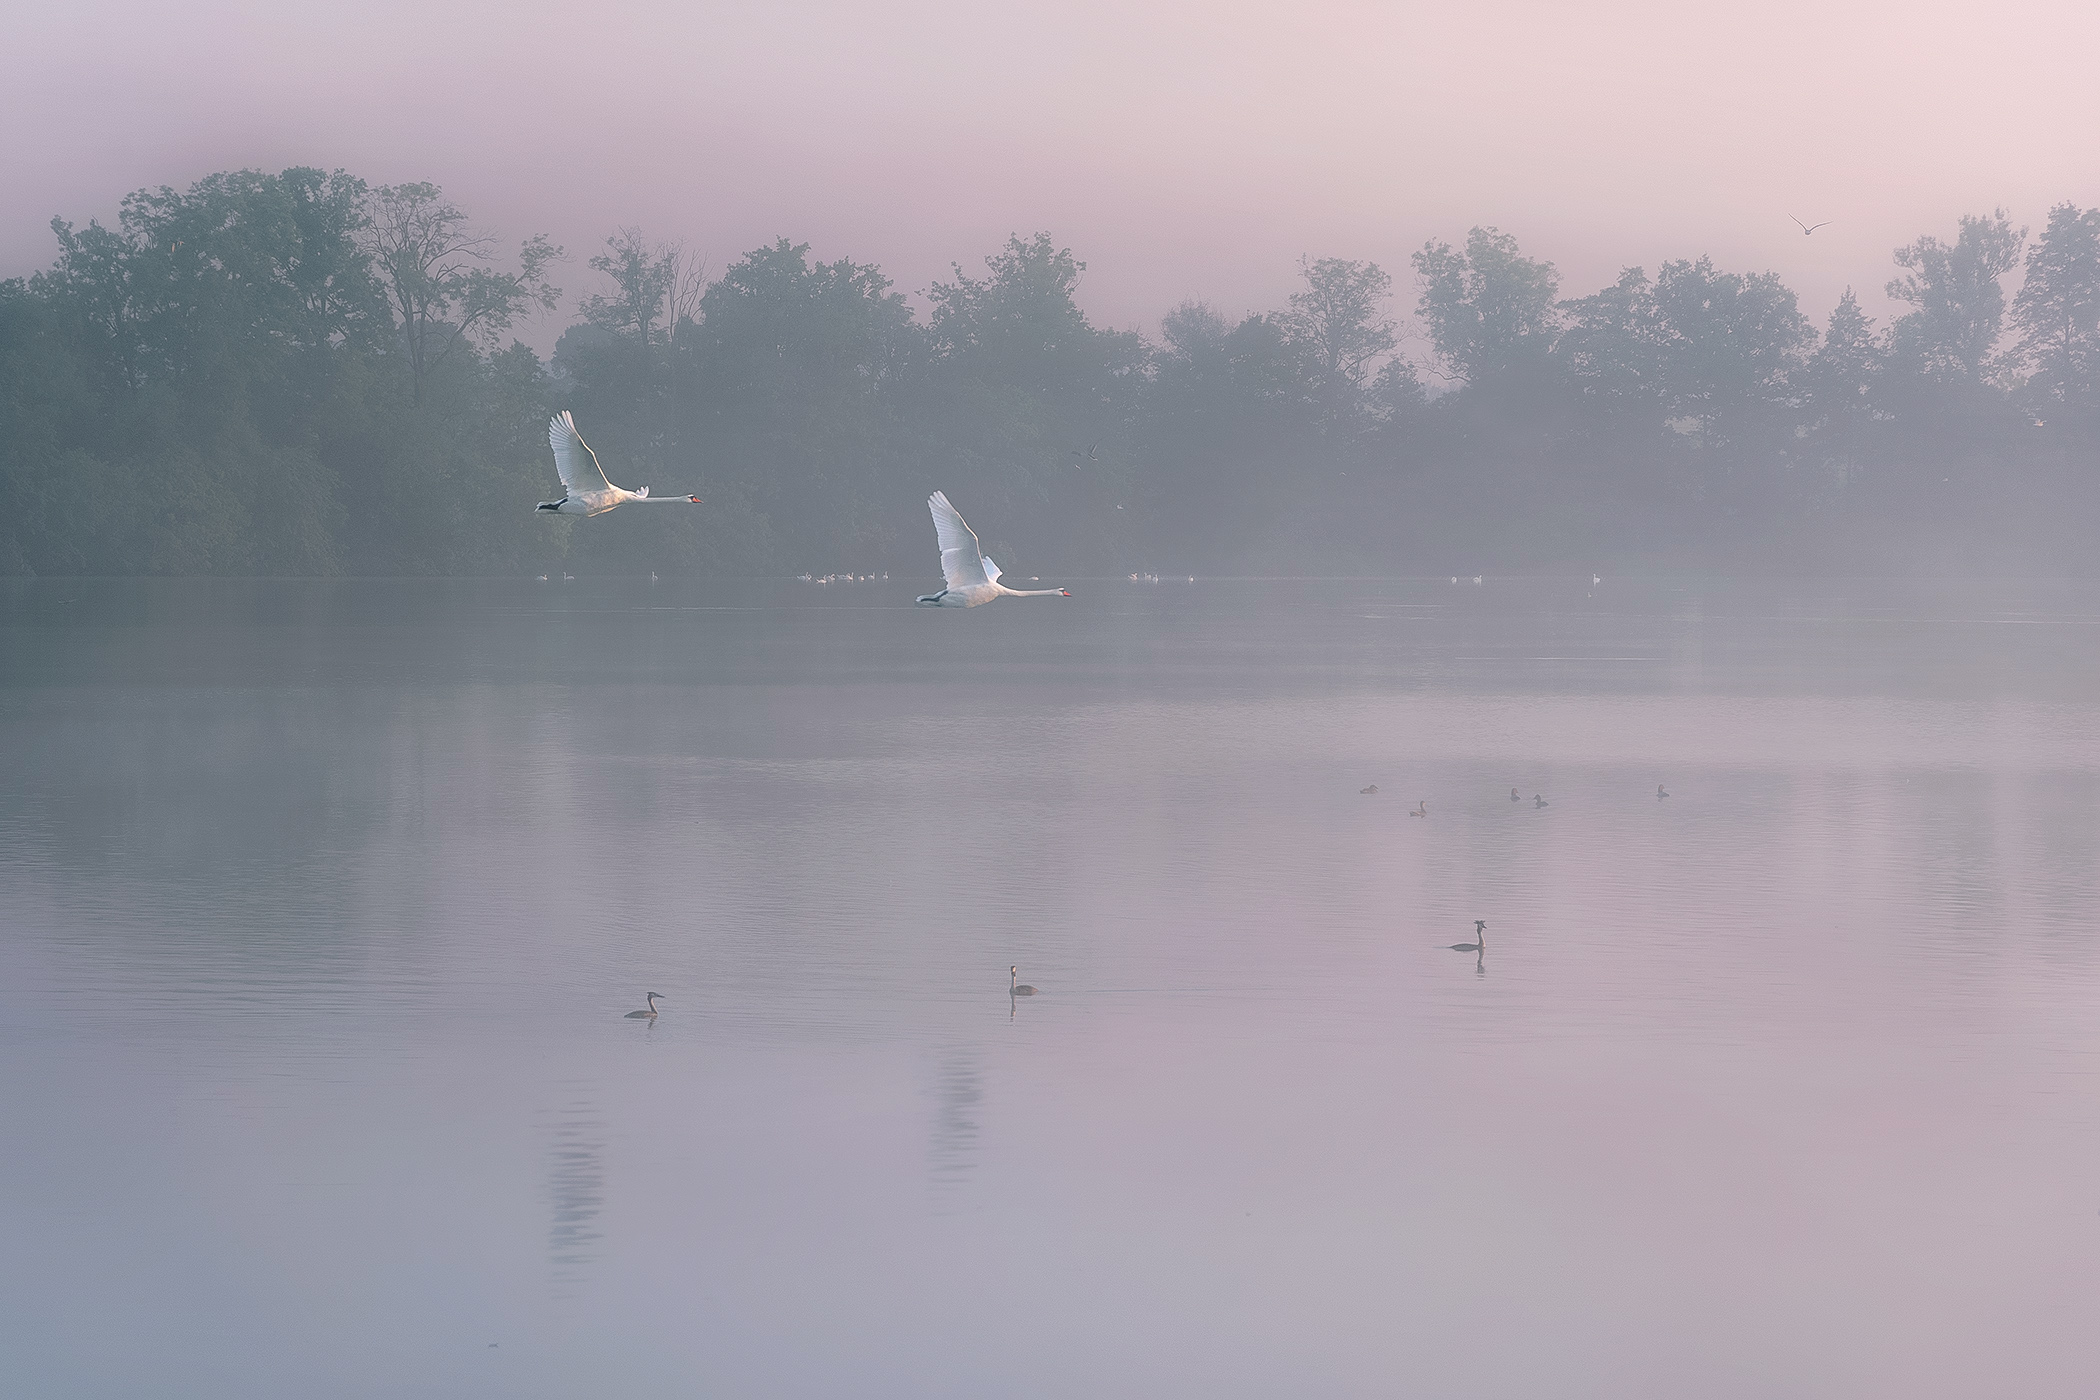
(585, 488)
(972, 578)
(573, 458)
(962, 559)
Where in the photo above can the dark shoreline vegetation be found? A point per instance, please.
(300, 374)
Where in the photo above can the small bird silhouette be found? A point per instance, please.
(1807, 229)
(1369, 790)
(1513, 796)
(1661, 791)
(1479, 933)
(1538, 801)
(1421, 811)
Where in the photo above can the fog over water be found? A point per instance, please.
(1551, 849)
(322, 905)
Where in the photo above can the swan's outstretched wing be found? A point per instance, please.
(576, 462)
(991, 570)
(962, 562)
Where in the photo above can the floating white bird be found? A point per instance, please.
(1019, 988)
(648, 1015)
(972, 578)
(585, 491)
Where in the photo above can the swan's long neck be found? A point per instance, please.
(643, 498)
(652, 1003)
(1033, 592)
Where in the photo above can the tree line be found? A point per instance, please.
(303, 374)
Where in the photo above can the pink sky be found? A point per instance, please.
(1183, 150)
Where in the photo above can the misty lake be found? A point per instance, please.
(322, 905)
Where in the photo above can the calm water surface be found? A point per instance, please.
(321, 906)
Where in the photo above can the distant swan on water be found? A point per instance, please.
(1019, 988)
(1422, 810)
(650, 1014)
(1661, 791)
(1513, 796)
(1480, 932)
(1538, 801)
(1369, 790)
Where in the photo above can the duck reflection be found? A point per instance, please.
(958, 1091)
(576, 1192)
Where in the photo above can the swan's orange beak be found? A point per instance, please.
(1064, 592)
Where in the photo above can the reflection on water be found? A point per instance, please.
(958, 1089)
(321, 908)
(576, 1193)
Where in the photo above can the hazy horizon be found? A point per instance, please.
(1513, 826)
(1181, 154)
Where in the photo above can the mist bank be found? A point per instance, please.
(303, 374)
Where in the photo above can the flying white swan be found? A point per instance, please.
(585, 491)
(972, 578)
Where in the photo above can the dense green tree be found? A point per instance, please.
(644, 277)
(1489, 309)
(1338, 317)
(1957, 298)
(2058, 309)
(1020, 384)
(291, 373)
(1732, 347)
(440, 277)
(792, 385)
(1611, 352)
(1841, 381)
